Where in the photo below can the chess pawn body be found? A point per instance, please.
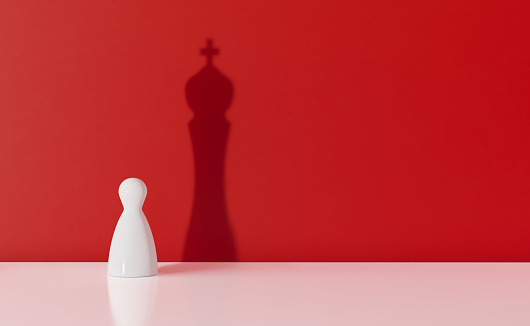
(132, 251)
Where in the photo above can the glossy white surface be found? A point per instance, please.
(132, 250)
(218, 294)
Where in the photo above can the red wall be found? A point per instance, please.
(360, 130)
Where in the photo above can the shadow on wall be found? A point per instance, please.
(209, 94)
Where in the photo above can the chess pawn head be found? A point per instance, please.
(132, 193)
(132, 251)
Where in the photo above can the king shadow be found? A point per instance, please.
(209, 95)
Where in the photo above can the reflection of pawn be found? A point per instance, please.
(132, 300)
(132, 251)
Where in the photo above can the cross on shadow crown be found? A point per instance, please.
(209, 51)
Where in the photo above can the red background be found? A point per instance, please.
(361, 130)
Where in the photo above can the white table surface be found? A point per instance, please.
(255, 294)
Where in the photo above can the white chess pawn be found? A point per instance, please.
(132, 251)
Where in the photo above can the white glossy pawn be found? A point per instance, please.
(132, 251)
